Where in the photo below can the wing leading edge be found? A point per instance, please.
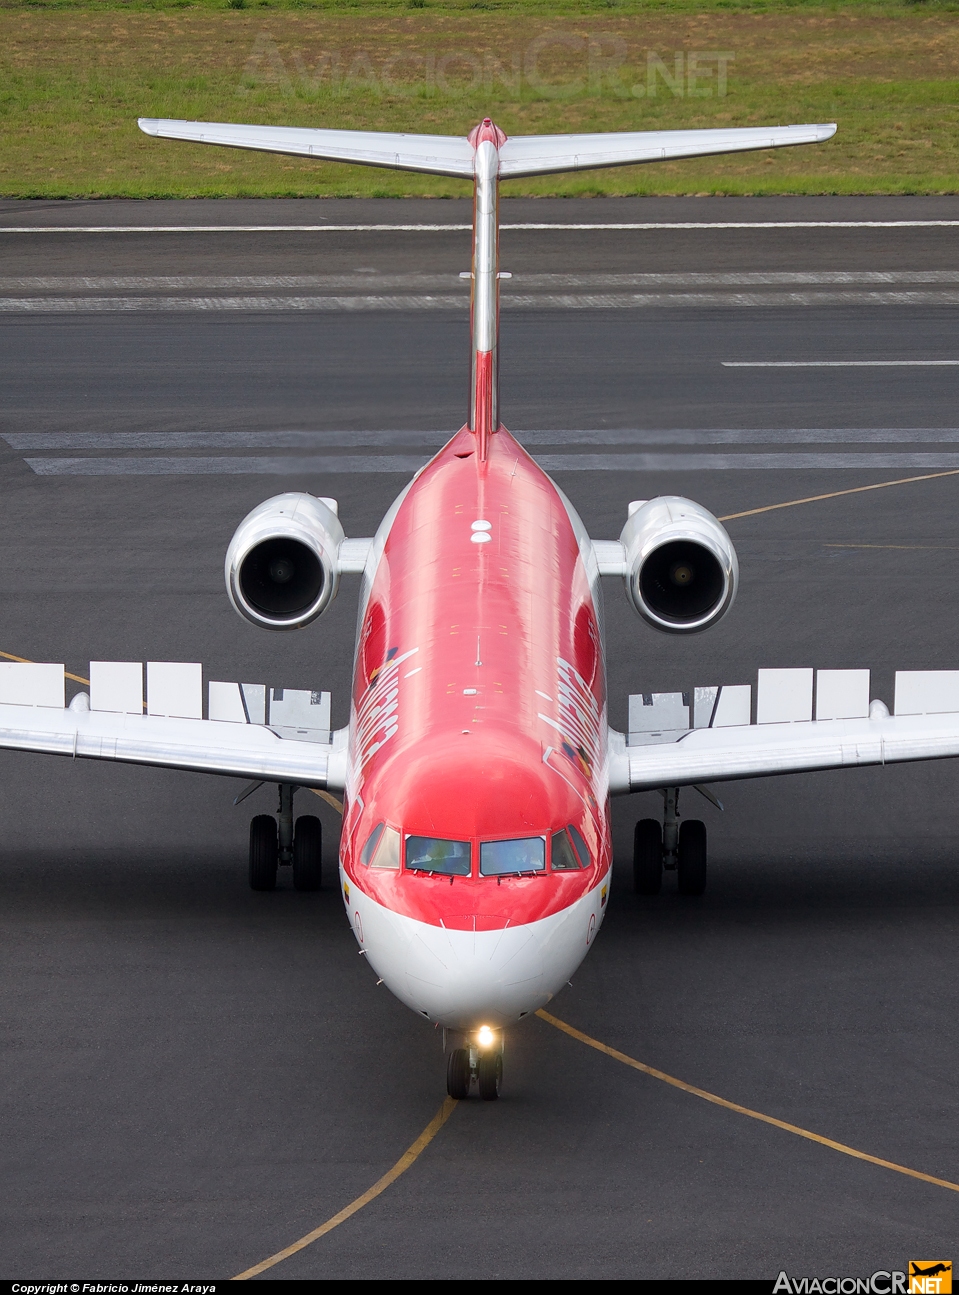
(251, 731)
(521, 155)
(197, 745)
(756, 751)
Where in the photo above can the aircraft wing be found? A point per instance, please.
(729, 740)
(453, 155)
(291, 748)
(717, 755)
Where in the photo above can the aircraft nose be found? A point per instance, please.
(468, 978)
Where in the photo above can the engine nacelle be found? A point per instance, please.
(281, 565)
(681, 569)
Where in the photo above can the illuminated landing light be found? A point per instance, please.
(480, 537)
(485, 1037)
(481, 526)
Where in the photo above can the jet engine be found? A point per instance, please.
(281, 566)
(681, 570)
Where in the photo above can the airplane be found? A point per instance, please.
(477, 765)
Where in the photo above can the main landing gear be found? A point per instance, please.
(674, 846)
(479, 1057)
(275, 842)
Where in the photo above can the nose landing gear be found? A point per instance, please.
(458, 1076)
(277, 841)
(674, 846)
(481, 1060)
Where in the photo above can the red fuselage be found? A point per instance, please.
(479, 701)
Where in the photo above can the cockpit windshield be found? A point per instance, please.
(372, 841)
(508, 858)
(561, 853)
(430, 854)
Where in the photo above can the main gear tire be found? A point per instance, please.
(264, 852)
(307, 853)
(691, 864)
(648, 857)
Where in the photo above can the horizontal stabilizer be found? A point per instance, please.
(543, 154)
(522, 155)
(434, 154)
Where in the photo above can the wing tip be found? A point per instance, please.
(149, 125)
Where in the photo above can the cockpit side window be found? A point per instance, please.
(508, 858)
(562, 856)
(387, 853)
(431, 854)
(581, 848)
(372, 841)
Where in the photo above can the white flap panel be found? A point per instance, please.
(734, 706)
(27, 683)
(704, 702)
(295, 709)
(226, 703)
(654, 712)
(175, 688)
(926, 692)
(784, 696)
(117, 686)
(254, 694)
(842, 694)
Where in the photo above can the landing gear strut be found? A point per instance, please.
(278, 841)
(480, 1060)
(674, 847)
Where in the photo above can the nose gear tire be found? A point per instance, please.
(490, 1075)
(458, 1074)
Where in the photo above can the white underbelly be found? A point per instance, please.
(468, 978)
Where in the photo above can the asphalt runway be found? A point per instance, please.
(194, 1075)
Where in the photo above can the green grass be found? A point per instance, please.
(74, 77)
(550, 8)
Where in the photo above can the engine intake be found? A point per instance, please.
(281, 566)
(681, 569)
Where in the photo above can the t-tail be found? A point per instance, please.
(487, 156)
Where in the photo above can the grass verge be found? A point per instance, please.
(74, 78)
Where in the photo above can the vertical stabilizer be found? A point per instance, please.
(486, 140)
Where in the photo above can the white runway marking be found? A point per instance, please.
(290, 439)
(460, 302)
(226, 466)
(125, 305)
(405, 464)
(839, 364)
(362, 281)
(436, 229)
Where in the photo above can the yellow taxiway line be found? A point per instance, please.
(741, 1110)
(329, 798)
(836, 494)
(902, 548)
(406, 1159)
